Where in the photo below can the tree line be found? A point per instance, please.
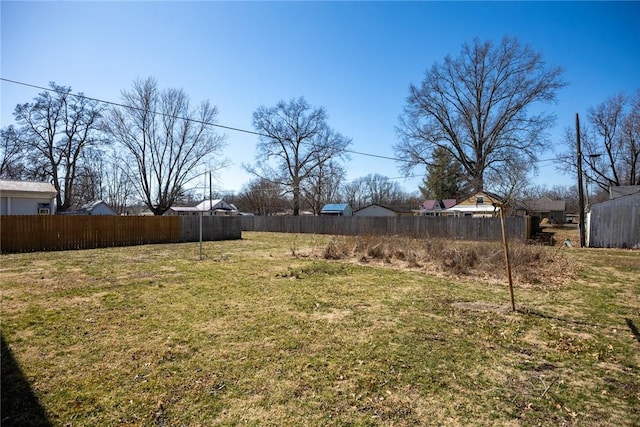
(474, 123)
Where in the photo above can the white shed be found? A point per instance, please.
(27, 198)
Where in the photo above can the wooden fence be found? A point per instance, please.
(30, 233)
(465, 228)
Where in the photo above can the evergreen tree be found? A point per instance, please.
(445, 177)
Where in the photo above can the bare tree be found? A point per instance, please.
(299, 139)
(11, 154)
(378, 189)
(630, 139)
(167, 142)
(476, 107)
(610, 141)
(355, 194)
(262, 197)
(322, 186)
(382, 190)
(57, 129)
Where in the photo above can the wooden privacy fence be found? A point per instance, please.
(61, 232)
(465, 228)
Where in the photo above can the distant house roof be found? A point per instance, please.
(206, 205)
(376, 209)
(473, 208)
(14, 188)
(97, 206)
(336, 209)
(546, 204)
(429, 205)
(215, 204)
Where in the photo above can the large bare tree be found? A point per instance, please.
(322, 186)
(300, 141)
(262, 197)
(57, 130)
(375, 188)
(477, 107)
(167, 142)
(610, 143)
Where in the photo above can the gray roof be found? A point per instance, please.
(42, 188)
(545, 204)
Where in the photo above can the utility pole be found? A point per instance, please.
(580, 187)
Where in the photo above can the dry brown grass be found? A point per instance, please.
(532, 265)
(264, 331)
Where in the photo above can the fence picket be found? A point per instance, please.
(28, 233)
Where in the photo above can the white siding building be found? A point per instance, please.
(27, 198)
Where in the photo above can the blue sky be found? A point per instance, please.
(356, 59)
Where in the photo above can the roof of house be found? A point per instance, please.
(44, 188)
(334, 207)
(92, 205)
(473, 208)
(206, 205)
(395, 209)
(546, 204)
(215, 204)
(429, 205)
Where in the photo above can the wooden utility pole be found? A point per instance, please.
(580, 187)
(506, 257)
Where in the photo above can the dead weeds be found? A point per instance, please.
(531, 265)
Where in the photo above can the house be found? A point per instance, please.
(96, 207)
(546, 208)
(436, 207)
(375, 209)
(27, 198)
(481, 205)
(215, 207)
(336, 209)
(614, 223)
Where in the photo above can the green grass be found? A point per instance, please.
(264, 331)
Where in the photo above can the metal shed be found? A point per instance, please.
(615, 223)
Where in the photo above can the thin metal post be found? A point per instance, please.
(580, 186)
(506, 257)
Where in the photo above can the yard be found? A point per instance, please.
(267, 331)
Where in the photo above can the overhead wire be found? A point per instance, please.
(221, 126)
(231, 128)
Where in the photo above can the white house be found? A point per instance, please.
(480, 205)
(215, 207)
(27, 198)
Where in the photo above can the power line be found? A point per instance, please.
(117, 104)
(231, 128)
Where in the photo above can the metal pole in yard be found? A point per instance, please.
(506, 257)
(580, 187)
(202, 214)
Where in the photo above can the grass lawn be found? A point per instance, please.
(265, 331)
